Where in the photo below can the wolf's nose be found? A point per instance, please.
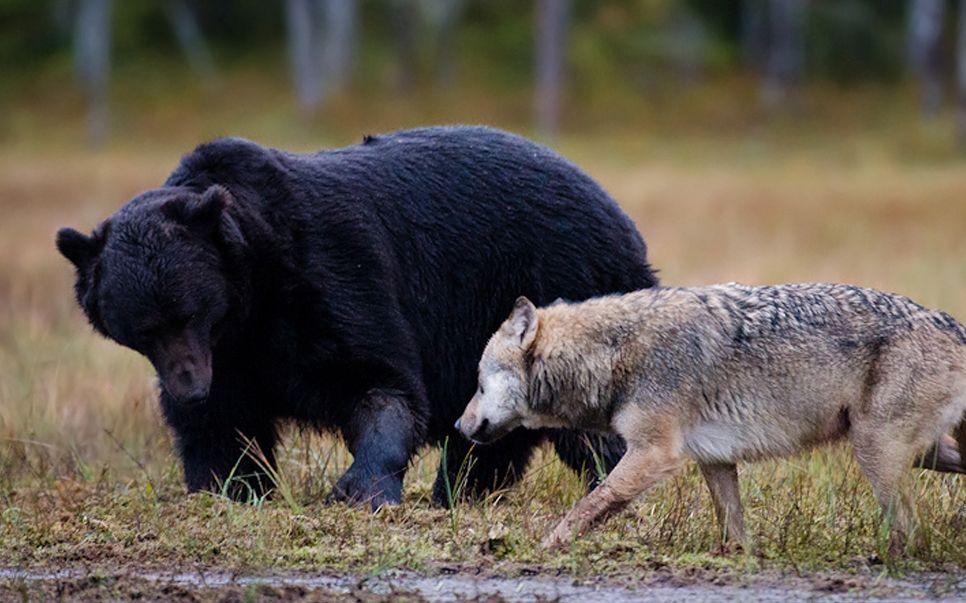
(457, 425)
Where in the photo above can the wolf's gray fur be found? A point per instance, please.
(730, 373)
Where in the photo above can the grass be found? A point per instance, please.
(88, 475)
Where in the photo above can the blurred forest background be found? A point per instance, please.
(97, 69)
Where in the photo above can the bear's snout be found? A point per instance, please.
(187, 384)
(183, 363)
(187, 381)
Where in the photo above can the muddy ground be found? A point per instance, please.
(447, 583)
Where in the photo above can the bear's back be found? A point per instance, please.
(477, 217)
(467, 218)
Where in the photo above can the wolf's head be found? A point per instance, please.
(501, 401)
(152, 278)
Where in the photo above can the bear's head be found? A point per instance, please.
(153, 278)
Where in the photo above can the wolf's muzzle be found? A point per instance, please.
(482, 433)
(479, 435)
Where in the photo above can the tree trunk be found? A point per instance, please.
(449, 17)
(190, 38)
(322, 38)
(688, 44)
(306, 68)
(785, 61)
(754, 34)
(92, 47)
(925, 35)
(340, 41)
(552, 16)
(405, 22)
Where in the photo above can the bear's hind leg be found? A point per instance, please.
(943, 456)
(487, 468)
(590, 455)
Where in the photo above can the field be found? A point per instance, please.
(89, 482)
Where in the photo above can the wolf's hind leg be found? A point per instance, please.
(722, 480)
(639, 469)
(961, 439)
(472, 475)
(944, 455)
(883, 458)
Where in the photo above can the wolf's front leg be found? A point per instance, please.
(381, 437)
(640, 468)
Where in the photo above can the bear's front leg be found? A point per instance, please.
(381, 437)
(222, 450)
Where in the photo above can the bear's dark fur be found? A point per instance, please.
(351, 289)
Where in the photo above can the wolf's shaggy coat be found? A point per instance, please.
(730, 373)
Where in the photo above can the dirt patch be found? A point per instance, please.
(450, 583)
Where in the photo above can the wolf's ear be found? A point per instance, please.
(523, 322)
(208, 214)
(80, 248)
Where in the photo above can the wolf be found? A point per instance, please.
(729, 373)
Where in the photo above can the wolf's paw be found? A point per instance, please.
(556, 540)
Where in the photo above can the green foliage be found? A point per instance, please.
(852, 40)
(30, 31)
(613, 42)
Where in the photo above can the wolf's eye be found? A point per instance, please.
(481, 389)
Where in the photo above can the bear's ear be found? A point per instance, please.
(212, 205)
(205, 211)
(80, 248)
(218, 199)
(523, 322)
(208, 214)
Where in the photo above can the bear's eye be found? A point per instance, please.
(148, 331)
(184, 318)
(145, 337)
